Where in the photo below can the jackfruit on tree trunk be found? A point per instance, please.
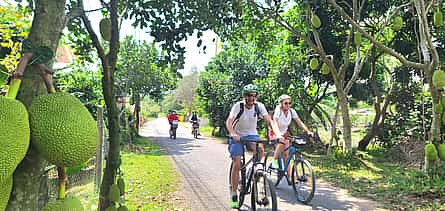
(431, 152)
(69, 203)
(438, 18)
(397, 24)
(114, 193)
(313, 64)
(439, 78)
(14, 135)
(5, 191)
(62, 129)
(105, 28)
(315, 20)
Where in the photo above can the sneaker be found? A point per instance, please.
(234, 202)
(275, 164)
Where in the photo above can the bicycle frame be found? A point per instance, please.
(255, 159)
(293, 150)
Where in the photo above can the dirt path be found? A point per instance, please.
(204, 164)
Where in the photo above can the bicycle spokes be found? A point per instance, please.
(303, 181)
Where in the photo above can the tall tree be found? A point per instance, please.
(143, 69)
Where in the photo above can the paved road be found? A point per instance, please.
(204, 163)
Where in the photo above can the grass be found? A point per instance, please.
(373, 177)
(206, 130)
(149, 177)
(150, 180)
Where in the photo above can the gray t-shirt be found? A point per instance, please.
(247, 122)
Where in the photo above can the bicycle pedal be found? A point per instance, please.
(264, 201)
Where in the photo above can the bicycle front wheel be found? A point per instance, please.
(263, 195)
(273, 174)
(303, 181)
(241, 190)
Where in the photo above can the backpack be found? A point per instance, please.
(241, 111)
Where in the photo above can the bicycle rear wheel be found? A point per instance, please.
(303, 181)
(273, 174)
(241, 190)
(263, 195)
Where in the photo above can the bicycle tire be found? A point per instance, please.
(241, 184)
(274, 175)
(303, 180)
(263, 192)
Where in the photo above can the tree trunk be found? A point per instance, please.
(47, 26)
(344, 108)
(108, 68)
(137, 109)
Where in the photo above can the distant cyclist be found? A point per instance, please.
(282, 118)
(242, 124)
(172, 116)
(195, 121)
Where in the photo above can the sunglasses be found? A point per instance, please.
(286, 103)
(251, 95)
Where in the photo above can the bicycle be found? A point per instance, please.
(255, 182)
(195, 127)
(302, 178)
(173, 128)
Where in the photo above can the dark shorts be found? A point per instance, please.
(236, 148)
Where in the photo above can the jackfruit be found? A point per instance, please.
(439, 78)
(114, 193)
(431, 152)
(315, 20)
(121, 185)
(438, 19)
(5, 191)
(122, 208)
(14, 135)
(397, 24)
(69, 203)
(112, 208)
(438, 108)
(325, 69)
(313, 64)
(105, 28)
(441, 151)
(62, 129)
(357, 38)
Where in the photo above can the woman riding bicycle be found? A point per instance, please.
(282, 118)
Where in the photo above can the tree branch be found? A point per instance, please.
(380, 45)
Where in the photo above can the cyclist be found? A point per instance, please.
(195, 121)
(172, 116)
(242, 124)
(282, 118)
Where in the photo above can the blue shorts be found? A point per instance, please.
(236, 148)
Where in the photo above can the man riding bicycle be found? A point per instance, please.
(172, 116)
(242, 124)
(282, 118)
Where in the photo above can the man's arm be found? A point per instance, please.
(229, 126)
